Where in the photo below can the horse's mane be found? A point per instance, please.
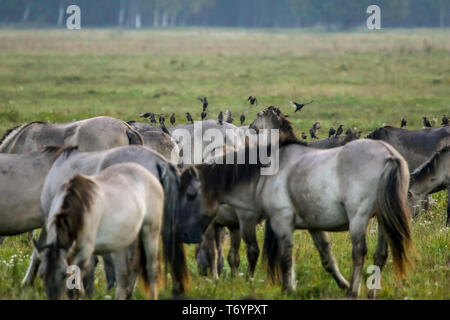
(67, 151)
(219, 178)
(287, 133)
(78, 199)
(12, 132)
(429, 166)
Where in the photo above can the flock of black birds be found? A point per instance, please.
(253, 101)
(426, 122)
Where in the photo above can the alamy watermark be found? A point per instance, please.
(374, 280)
(374, 20)
(73, 21)
(73, 280)
(217, 146)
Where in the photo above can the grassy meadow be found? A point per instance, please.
(362, 80)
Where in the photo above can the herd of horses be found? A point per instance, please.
(102, 187)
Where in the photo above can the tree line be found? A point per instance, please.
(329, 14)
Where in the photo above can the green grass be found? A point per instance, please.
(362, 80)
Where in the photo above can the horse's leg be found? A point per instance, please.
(233, 254)
(35, 261)
(121, 268)
(448, 207)
(379, 257)
(283, 227)
(89, 277)
(108, 266)
(358, 227)
(150, 245)
(322, 243)
(247, 228)
(219, 238)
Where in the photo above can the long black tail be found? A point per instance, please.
(174, 255)
(393, 211)
(271, 253)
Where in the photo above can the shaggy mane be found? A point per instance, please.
(429, 167)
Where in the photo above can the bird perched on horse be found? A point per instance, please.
(189, 117)
(172, 119)
(220, 118)
(228, 117)
(403, 123)
(426, 122)
(242, 118)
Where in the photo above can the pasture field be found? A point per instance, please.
(361, 80)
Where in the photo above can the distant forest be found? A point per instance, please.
(327, 14)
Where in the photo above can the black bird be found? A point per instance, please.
(189, 118)
(339, 131)
(203, 115)
(403, 123)
(312, 133)
(304, 136)
(242, 118)
(299, 106)
(252, 100)
(220, 118)
(145, 115)
(152, 118)
(331, 132)
(161, 119)
(164, 129)
(204, 102)
(348, 132)
(444, 120)
(172, 119)
(426, 122)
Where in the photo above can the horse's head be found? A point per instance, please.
(273, 118)
(193, 217)
(53, 269)
(269, 118)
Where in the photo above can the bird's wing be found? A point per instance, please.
(294, 104)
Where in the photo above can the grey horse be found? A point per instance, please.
(92, 134)
(177, 225)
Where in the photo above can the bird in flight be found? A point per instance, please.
(339, 131)
(204, 102)
(172, 119)
(242, 118)
(252, 100)
(299, 106)
(189, 118)
(426, 122)
(145, 115)
(203, 115)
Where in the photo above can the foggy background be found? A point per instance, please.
(324, 14)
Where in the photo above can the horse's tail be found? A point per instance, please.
(271, 253)
(173, 248)
(393, 212)
(78, 199)
(134, 137)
